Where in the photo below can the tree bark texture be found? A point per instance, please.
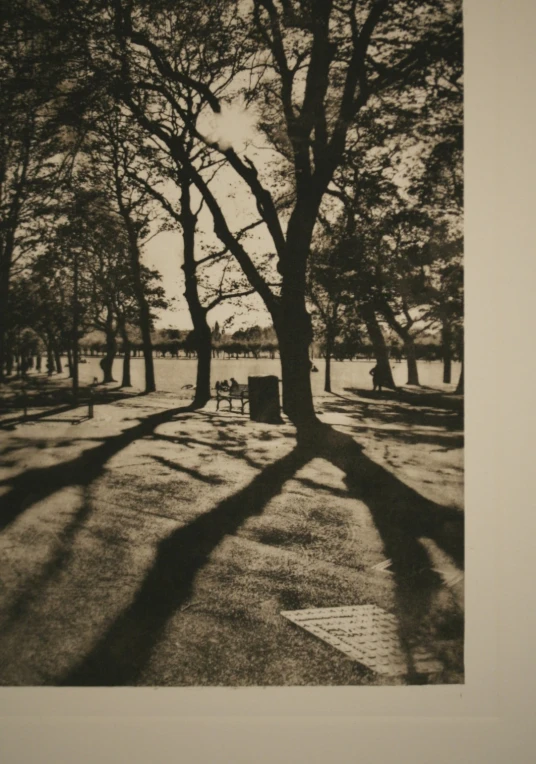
(50, 359)
(411, 358)
(379, 346)
(446, 340)
(294, 331)
(4, 313)
(460, 385)
(329, 350)
(57, 360)
(125, 382)
(111, 350)
(202, 333)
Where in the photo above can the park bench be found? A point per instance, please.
(234, 393)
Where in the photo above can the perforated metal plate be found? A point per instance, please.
(365, 633)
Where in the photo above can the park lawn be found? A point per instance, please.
(153, 545)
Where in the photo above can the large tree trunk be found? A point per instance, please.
(75, 343)
(108, 361)
(293, 327)
(204, 356)
(202, 333)
(145, 328)
(411, 358)
(125, 382)
(292, 322)
(403, 332)
(4, 316)
(446, 341)
(379, 346)
(329, 350)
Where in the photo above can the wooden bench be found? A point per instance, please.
(233, 393)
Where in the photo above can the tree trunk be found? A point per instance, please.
(125, 382)
(145, 328)
(411, 358)
(75, 346)
(293, 326)
(446, 339)
(108, 360)
(202, 333)
(4, 316)
(38, 362)
(379, 346)
(329, 350)
(139, 290)
(50, 360)
(110, 349)
(70, 362)
(460, 385)
(57, 360)
(204, 356)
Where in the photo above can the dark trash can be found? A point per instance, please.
(264, 403)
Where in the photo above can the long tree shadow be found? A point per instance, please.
(11, 424)
(401, 514)
(395, 412)
(31, 486)
(415, 421)
(421, 396)
(33, 589)
(123, 652)
(403, 517)
(210, 479)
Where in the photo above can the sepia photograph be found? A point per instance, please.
(232, 343)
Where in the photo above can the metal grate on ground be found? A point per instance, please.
(367, 634)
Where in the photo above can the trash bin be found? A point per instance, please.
(264, 403)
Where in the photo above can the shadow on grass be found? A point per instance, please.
(401, 515)
(64, 402)
(423, 419)
(421, 396)
(11, 424)
(31, 486)
(53, 568)
(210, 479)
(121, 655)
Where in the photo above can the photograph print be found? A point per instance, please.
(231, 343)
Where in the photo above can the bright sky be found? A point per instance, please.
(236, 127)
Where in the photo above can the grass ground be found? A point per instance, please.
(153, 545)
